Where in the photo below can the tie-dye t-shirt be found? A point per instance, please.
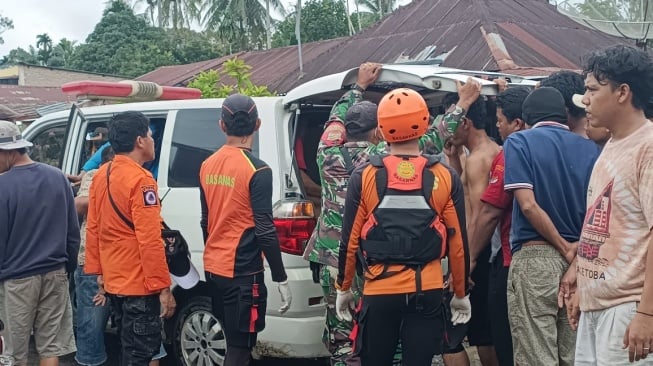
(617, 227)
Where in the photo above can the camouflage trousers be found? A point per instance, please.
(336, 332)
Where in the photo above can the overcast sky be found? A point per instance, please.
(72, 19)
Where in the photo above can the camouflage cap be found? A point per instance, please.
(361, 117)
(10, 137)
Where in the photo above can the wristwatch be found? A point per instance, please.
(357, 87)
(458, 113)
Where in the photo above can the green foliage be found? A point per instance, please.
(174, 13)
(123, 43)
(188, 46)
(614, 10)
(239, 72)
(5, 24)
(241, 23)
(19, 54)
(617, 10)
(320, 19)
(63, 53)
(379, 8)
(207, 82)
(44, 46)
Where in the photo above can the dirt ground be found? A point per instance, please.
(113, 353)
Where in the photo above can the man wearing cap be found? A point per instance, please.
(236, 201)
(39, 239)
(547, 168)
(124, 246)
(335, 163)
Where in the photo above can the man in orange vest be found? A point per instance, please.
(403, 213)
(124, 246)
(236, 200)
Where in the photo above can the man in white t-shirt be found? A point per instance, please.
(614, 268)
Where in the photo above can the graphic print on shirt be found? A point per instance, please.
(597, 226)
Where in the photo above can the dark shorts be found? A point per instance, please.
(479, 333)
(139, 325)
(383, 320)
(498, 306)
(240, 304)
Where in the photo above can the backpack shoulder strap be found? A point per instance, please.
(428, 178)
(377, 161)
(432, 159)
(380, 175)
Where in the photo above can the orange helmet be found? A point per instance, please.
(402, 115)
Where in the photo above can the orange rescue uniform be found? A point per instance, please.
(132, 262)
(236, 198)
(447, 199)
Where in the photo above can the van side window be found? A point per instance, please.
(48, 146)
(196, 136)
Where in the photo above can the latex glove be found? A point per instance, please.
(344, 302)
(461, 310)
(286, 297)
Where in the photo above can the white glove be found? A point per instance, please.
(344, 302)
(461, 310)
(286, 296)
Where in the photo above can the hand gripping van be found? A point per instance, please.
(188, 133)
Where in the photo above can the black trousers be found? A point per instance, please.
(139, 326)
(239, 303)
(498, 307)
(384, 319)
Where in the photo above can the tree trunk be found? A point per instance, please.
(268, 29)
(243, 27)
(298, 22)
(358, 16)
(349, 23)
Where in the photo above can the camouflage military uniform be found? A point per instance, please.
(324, 243)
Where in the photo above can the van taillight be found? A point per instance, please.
(295, 222)
(294, 234)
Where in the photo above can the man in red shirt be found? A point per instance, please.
(496, 208)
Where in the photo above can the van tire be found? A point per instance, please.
(195, 326)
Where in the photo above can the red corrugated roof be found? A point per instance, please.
(527, 36)
(21, 102)
(270, 67)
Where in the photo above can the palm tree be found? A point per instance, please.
(380, 7)
(174, 13)
(246, 20)
(44, 45)
(66, 48)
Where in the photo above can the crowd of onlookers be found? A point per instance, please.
(540, 199)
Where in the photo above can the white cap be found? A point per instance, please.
(10, 137)
(577, 99)
(189, 279)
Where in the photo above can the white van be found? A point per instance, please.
(189, 135)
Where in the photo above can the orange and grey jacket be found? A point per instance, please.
(446, 199)
(132, 261)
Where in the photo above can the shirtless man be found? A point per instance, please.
(471, 134)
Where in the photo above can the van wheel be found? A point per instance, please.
(198, 336)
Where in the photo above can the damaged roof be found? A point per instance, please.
(524, 37)
(21, 102)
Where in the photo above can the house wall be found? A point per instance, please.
(44, 76)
